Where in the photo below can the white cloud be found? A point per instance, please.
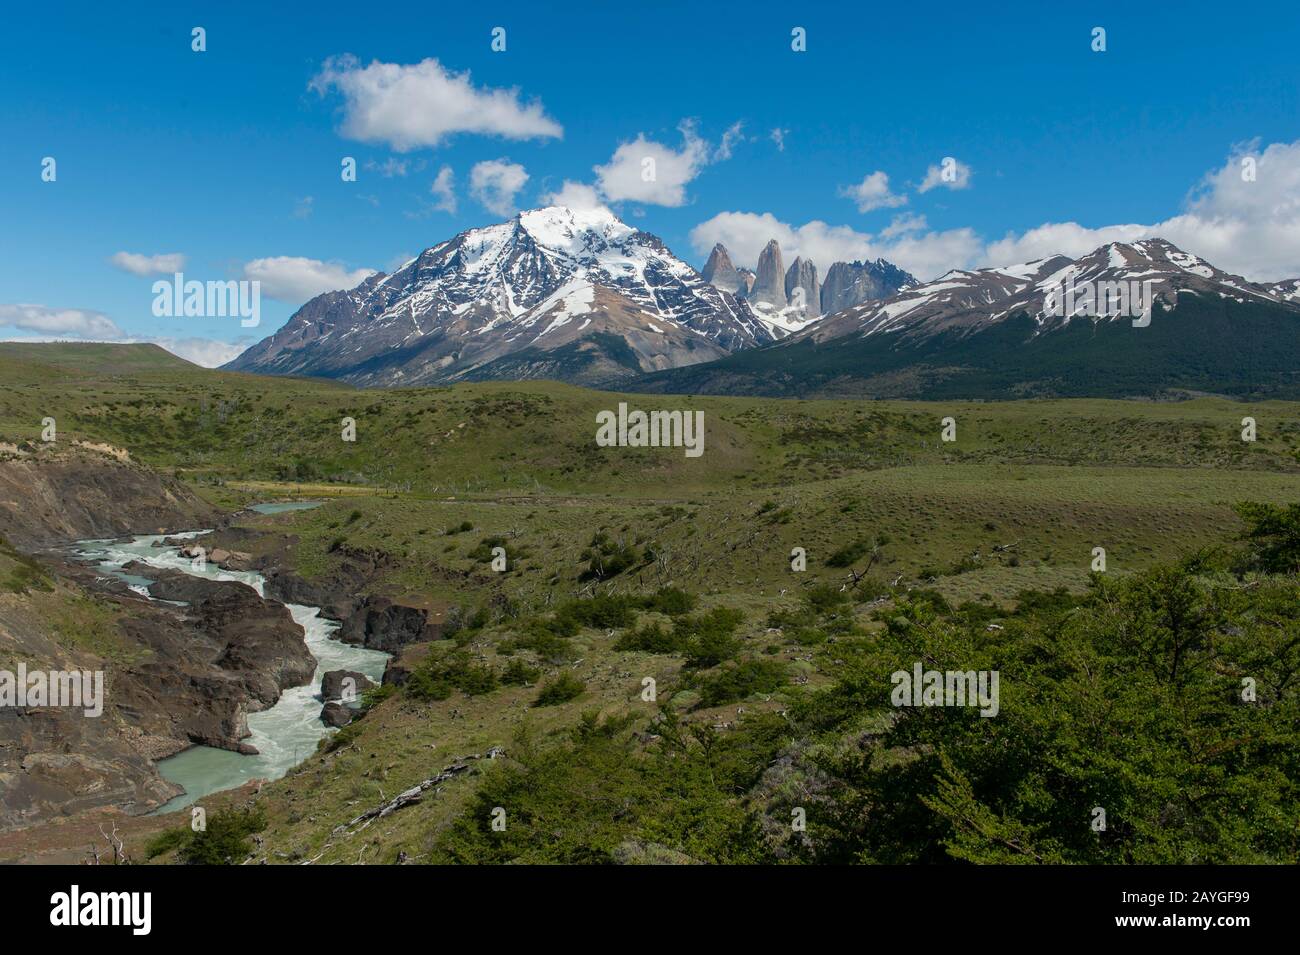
(925, 254)
(646, 171)
(167, 263)
(303, 209)
(443, 190)
(778, 136)
(390, 167)
(1061, 238)
(904, 224)
(207, 352)
(495, 183)
(950, 173)
(1242, 225)
(733, 135)
(1250, 227)
(418, 105)
(295, 279)
(873, 193)
(575, 195)
(45, 320)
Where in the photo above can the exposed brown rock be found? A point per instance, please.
(60, 493)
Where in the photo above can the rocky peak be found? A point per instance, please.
(722, 274)
(852, 283)
(769, 284)
(802, 277)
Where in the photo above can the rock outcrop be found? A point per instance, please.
(802, 288)
(334, 682)
(383, 624)
(335, 592)
(173, 676)
(254, 642)
(852, 283)
(54, 494)
(337, 714)
(769, 283)
(721, 274)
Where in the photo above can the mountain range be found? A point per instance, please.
(790, 299)
(580, 296)
(561, 293)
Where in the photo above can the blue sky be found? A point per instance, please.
(231, 157)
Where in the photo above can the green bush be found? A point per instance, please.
(709, 638)
(560, 689)
(649, 638)
(849, 554)
(224, 840)
(607, 558)
(542, 638)
(1273, 535)
(519, 673)
(438, 675)
(603, 612)
(166, 841)
(375, 695)
(734, 683)
(706, 639)
(669, 601)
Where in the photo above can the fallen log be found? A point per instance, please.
(416, 793)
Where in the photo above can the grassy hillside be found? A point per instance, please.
(538, 436)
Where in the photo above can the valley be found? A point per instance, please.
(525, 688)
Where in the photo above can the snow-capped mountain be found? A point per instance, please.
(790, 300)
(1111, 283)
(554, 292)
(1288, 290)
(1137, 319)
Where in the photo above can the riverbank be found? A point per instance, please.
(282, 734)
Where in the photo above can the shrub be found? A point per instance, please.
(561, 689)
(606, 558)
(439, 675)
(651, 638)
(669, 601)
(376, 695)
(825, 598)
(849, 554)
(225, 839)
(540, 636)
(519, 673)
(741, 681)
(1273, 535)
(603, 611)
(483, 552)
(166, 841)
(709, 638)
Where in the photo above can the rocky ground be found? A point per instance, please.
(51, 494)
(184, 669)
(175, 676)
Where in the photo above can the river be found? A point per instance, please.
(286, 733)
